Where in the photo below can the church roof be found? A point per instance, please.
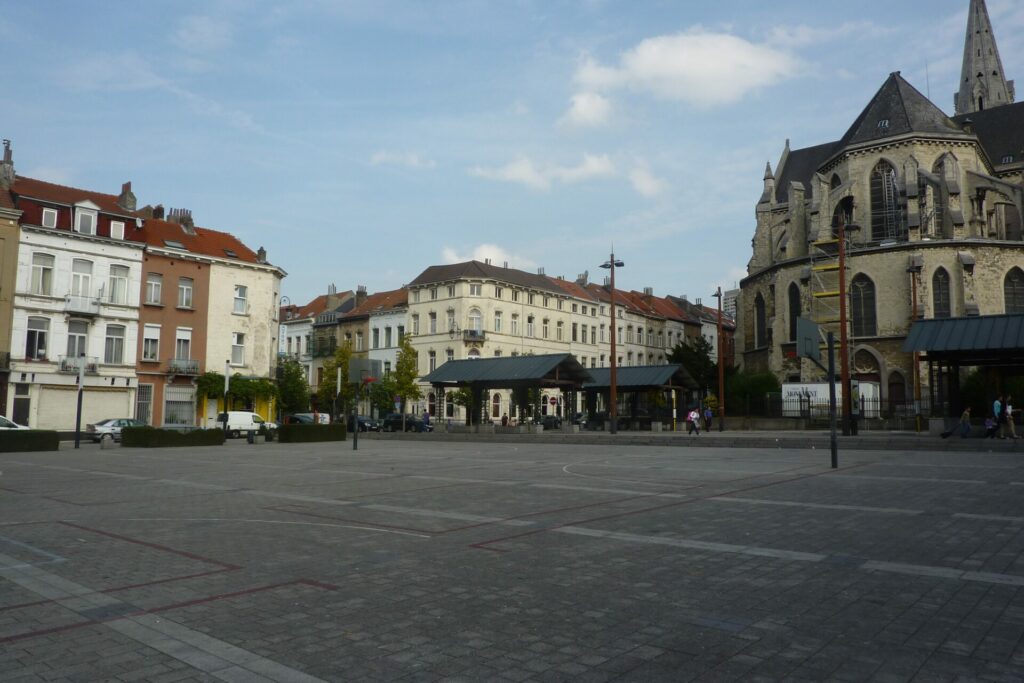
(1000, 131)
(897, 109)
(800, 166)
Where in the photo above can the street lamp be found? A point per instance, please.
(227, 379)
(611, 264)
(721, 364)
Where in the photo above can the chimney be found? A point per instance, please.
(126, 200)
(583, 278)
(183, 217)
(158, 212)
(648, 291)
(261, 255)
(607, 281)
(540, 271)
(360, 295)
(698, 301)
(487, 261)
(7, 167)
(505, 266)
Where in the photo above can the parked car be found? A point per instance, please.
(242, 421)
(366, 423)
(393, 423)
(580, 419)
(7, 424)
(549, 421)
(307, 418)
(111, 428)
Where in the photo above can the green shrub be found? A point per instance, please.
(19, 440)
(150, 437)
(304, 433)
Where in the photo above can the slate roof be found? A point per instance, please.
(485, 271)
(974, 337)
(507, 371)
(800, 166)
(1000, 131)
(641, 376)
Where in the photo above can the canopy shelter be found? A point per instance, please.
(948, 344)
(550, 371)
(652, 392)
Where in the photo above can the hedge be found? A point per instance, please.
(303, 433)
(19, 440)
(150, 437)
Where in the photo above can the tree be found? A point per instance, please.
(463, 396)
(695, 355)
(292, 386)
(329, 386)
(240, 388)
(405, 374)
(382, 394)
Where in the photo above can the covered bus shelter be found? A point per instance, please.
(519, 374)
(651, 394)
(992, 342)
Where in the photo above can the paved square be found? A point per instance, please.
(429, 560)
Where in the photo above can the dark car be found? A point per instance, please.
(393, 423)
(366, 423)
(549, 421)
(306, 419)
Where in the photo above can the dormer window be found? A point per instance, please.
(883, 125)
(1008, 159)
(117, 230)
(49, 218)
(85, 221)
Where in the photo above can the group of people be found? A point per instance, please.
(694, 419)
(999, 423)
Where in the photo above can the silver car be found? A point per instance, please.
(7, 424)
(111, 428)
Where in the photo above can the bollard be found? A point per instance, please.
(250, 436)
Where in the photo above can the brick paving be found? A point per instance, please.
(426, 559)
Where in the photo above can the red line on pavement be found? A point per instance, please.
(350, 521)
(45, 631)
(147, 544)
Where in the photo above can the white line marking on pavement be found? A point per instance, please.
(272, 521)
(992, 518)
(817, 506)
(447, 515)
(840, 477)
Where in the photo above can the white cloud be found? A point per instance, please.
(587, 109)
(524, 172)
(482, 252)
(698, 67)
(202, 34)
(645, 182)
(406, 159)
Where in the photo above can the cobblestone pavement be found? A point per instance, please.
(424, 560)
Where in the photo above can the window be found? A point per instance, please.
(241, 300)
(49, 218)
(387, 368)
(154, 288)
(119, 284)
(151, 342)
(476, 289)
(496, 405)
(887, 221)
(629, 334)
(42, 274)
(433, 322)
(515, 324)
(544, 327)
(179, 404)
(237, 348)
(940, 294)
(794, 309)
(559, 334)
(547, 302)
(1013, 291)
(450, 324)
(475, 320)
(117, 230)
(144, 404)
(529, 326)
(77, 336)
(497, 353)
(618, 335)
(85, 221)
(451, 291)
(449, 354)
(1008, 159)
(359, 340)
(416, 296)
(497, 321)
(575, 332)
(175, 244)
(760, 326)
(113, 348)
(529, 299)
(862, 298)
(497, 292)
(81, 277)
(375, 338)
(183, 343)
(185, 292)
(433, 293)
(515, 295)
(415, 324)
(387, 337)
(431, 361)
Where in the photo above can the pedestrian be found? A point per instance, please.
(1009, 416)
(504, 420)
(965, 423)
(991, 426)
(708, 414)
(693, 422)
(999, 413)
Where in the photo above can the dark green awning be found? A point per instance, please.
(641, 376)
(966, 340)
(556, 369)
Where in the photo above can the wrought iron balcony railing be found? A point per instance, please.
(473, 335)
(81, 305)
(183, 366)
(69, 364)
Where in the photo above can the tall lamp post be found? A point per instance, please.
(721, 364)
(227, 379)
(613, 411)
(839, 222)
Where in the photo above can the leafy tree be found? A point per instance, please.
(463, 396)
(329, 386)
(292, 387)
(695, 355)
(405, 374)
(743, 389)
(240, 388)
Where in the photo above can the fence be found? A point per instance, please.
(774, 405)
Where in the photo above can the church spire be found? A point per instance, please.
(983, 84)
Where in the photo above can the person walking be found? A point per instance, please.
(965, 423)
(1000, 416)
(708, 415)
(693, 422)
(1008, 409)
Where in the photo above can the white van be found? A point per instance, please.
(240, 422)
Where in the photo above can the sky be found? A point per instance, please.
(360, 142)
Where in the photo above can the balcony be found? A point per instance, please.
(473, 335)
(81, 305)
(183, 366)
(69, 364)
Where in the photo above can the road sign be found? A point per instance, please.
(553, 401)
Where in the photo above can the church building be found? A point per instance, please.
(931, 206)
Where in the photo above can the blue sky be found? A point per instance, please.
(361, 142)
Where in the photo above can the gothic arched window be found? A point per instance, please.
(887, 222)
(760, 328)
(794, 309)
(940, 294)
(1013, 291)
(862, 297)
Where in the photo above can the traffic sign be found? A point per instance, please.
(553, 401)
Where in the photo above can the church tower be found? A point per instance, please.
(983, 84)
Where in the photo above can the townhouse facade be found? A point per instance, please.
(9, 236)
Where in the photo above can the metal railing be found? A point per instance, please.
(814, 408)
(82, 305)
(473, 335)
(183, 366)
(69, 364)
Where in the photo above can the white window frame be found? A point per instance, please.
(154, 288)
(186, 285)
(237, 348)
(52, 214)
(119, 283)
(432, 317)
(117, 230)
(81, 214)
(183, 334)
(151, 333)
(497, 321)
(476, 289)
(42, 275)
(113, 345)
(78, 341)
(81, 281)
(241, 306)
(41, 336)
